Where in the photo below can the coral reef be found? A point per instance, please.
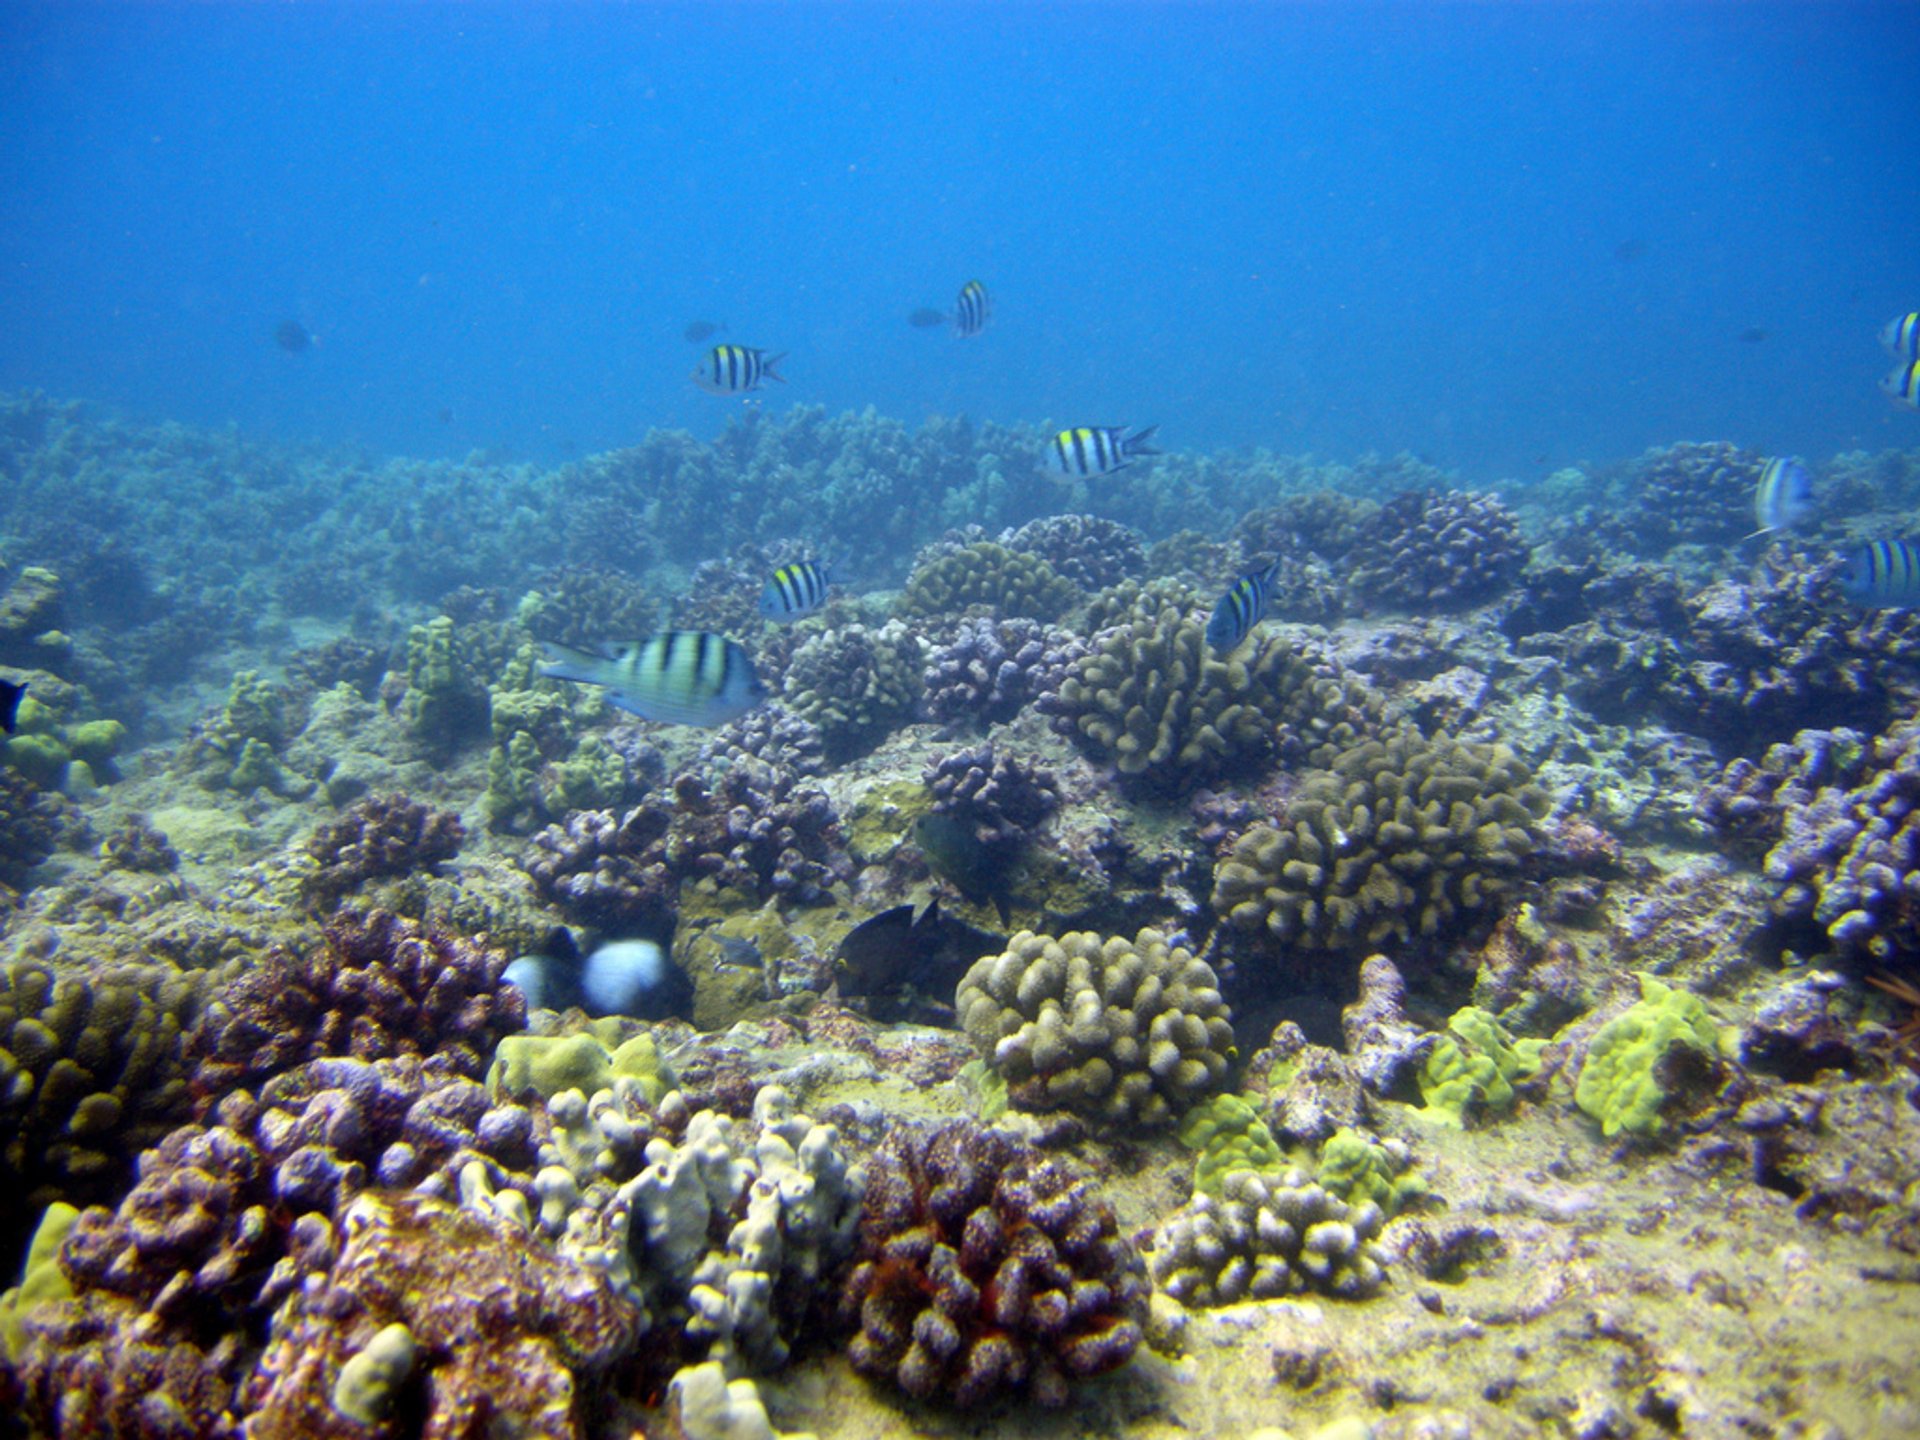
(1690, 493)
(1435, 550)
(1397, 838)
(984, 1269)
(1001, 798)
(1090, 551)
(1126, 1032)
(769, 733)
(1643, 1058)
(1263, 1239)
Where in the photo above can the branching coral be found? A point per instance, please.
(1128, 1032)
(1264, 1238)
(985, 574)
(1399, 837)
(856, 684)
(991, 669)
(984, 1269)
(380, 837)
(1431, 548)
(1001, 798)
(1091, 552)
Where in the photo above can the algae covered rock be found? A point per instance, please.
(1127, 1032)
(1398, 838)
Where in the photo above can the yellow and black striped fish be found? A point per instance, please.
(971, 310)
(1903, 385)
(1097, 449)
(736, 369)
(795, 590)
(679, 677)
(1901, 335)
(1887, 572)
(1241, 608)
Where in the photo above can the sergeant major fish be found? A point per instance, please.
(969, 314)
(1241, 608)
(679, 677)
(1784, 497)
(1887, 572)
(1901, 336)
(795, 591)
(736, 369)
(1097, 449)
(1903, 385)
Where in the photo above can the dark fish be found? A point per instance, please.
(927, 319)
(957, 855)
(1628, 251)
(702, 330)
(906, 961)
(293, 337)
(444, 415)
(10, 696)
(1885, 573)
(1752, 335)
(736, 369)
(1241, 608)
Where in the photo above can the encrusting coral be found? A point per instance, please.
(984, 1269)
(1126, 1032)
(1641, 1060)
(1398, 838)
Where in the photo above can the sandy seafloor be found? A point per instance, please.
(1753, 1272)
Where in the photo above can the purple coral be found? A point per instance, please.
(1003, 798)
(1090, 551)
(992, 668)
(1429, 548)
(382, 836)
(1747, 805)
(984, 1268)
(770, 733)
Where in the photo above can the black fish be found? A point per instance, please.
(702, 330)
(1628, 251)
(1752, 335)
(10, 696)
(927, 319)
(906, 961)
(957, 855)
(293, 337)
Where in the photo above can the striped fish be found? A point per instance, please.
(1887, 572)
(679, 677)
(1901, 336)
(1241, 608)
(1903, 385)
(1097, 449)
(1784, 497)
(736, 369)
(971, 310)
(794, 591)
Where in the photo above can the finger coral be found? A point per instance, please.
(380, 837)
(988, 575)
(856, 684)
(1399, 837)
(1428, 549)
(985, 1269)
(1263, 1238)
(1127, 1032)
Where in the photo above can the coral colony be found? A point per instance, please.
(1008, 999)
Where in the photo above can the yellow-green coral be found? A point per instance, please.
(586, 1060)
(1128, 1032)
(856, 683)
(1358, 1168)
(1624, 1080)
(45, 745)
(41, 1278)
(984, 574)
(1472, 1070)
(1400, 837)
(1229, 1135)
(1154, 699)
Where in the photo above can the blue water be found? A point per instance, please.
(1505, 238)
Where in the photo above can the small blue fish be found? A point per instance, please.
(1901, 336)
(1097, 449)
(1887, 572)
(795, 591)
(1903, 385)
(681, 677)
(1783, 499)
(736, 369)
(1241, 608)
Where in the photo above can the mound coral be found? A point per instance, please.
(1154, 699)
(985, 574)
(856, 684)
(984, 1269)
(1262, 1239)
(1001, 798)
(379, 837)
(1690, 493)
(1399, 837)
(31, 822)
(1091, 552)
(991, 669)
(1127, 1032)
(1639, 1061)
(1427, 549)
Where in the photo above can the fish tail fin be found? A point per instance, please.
(768, 367)
(1137, 443)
